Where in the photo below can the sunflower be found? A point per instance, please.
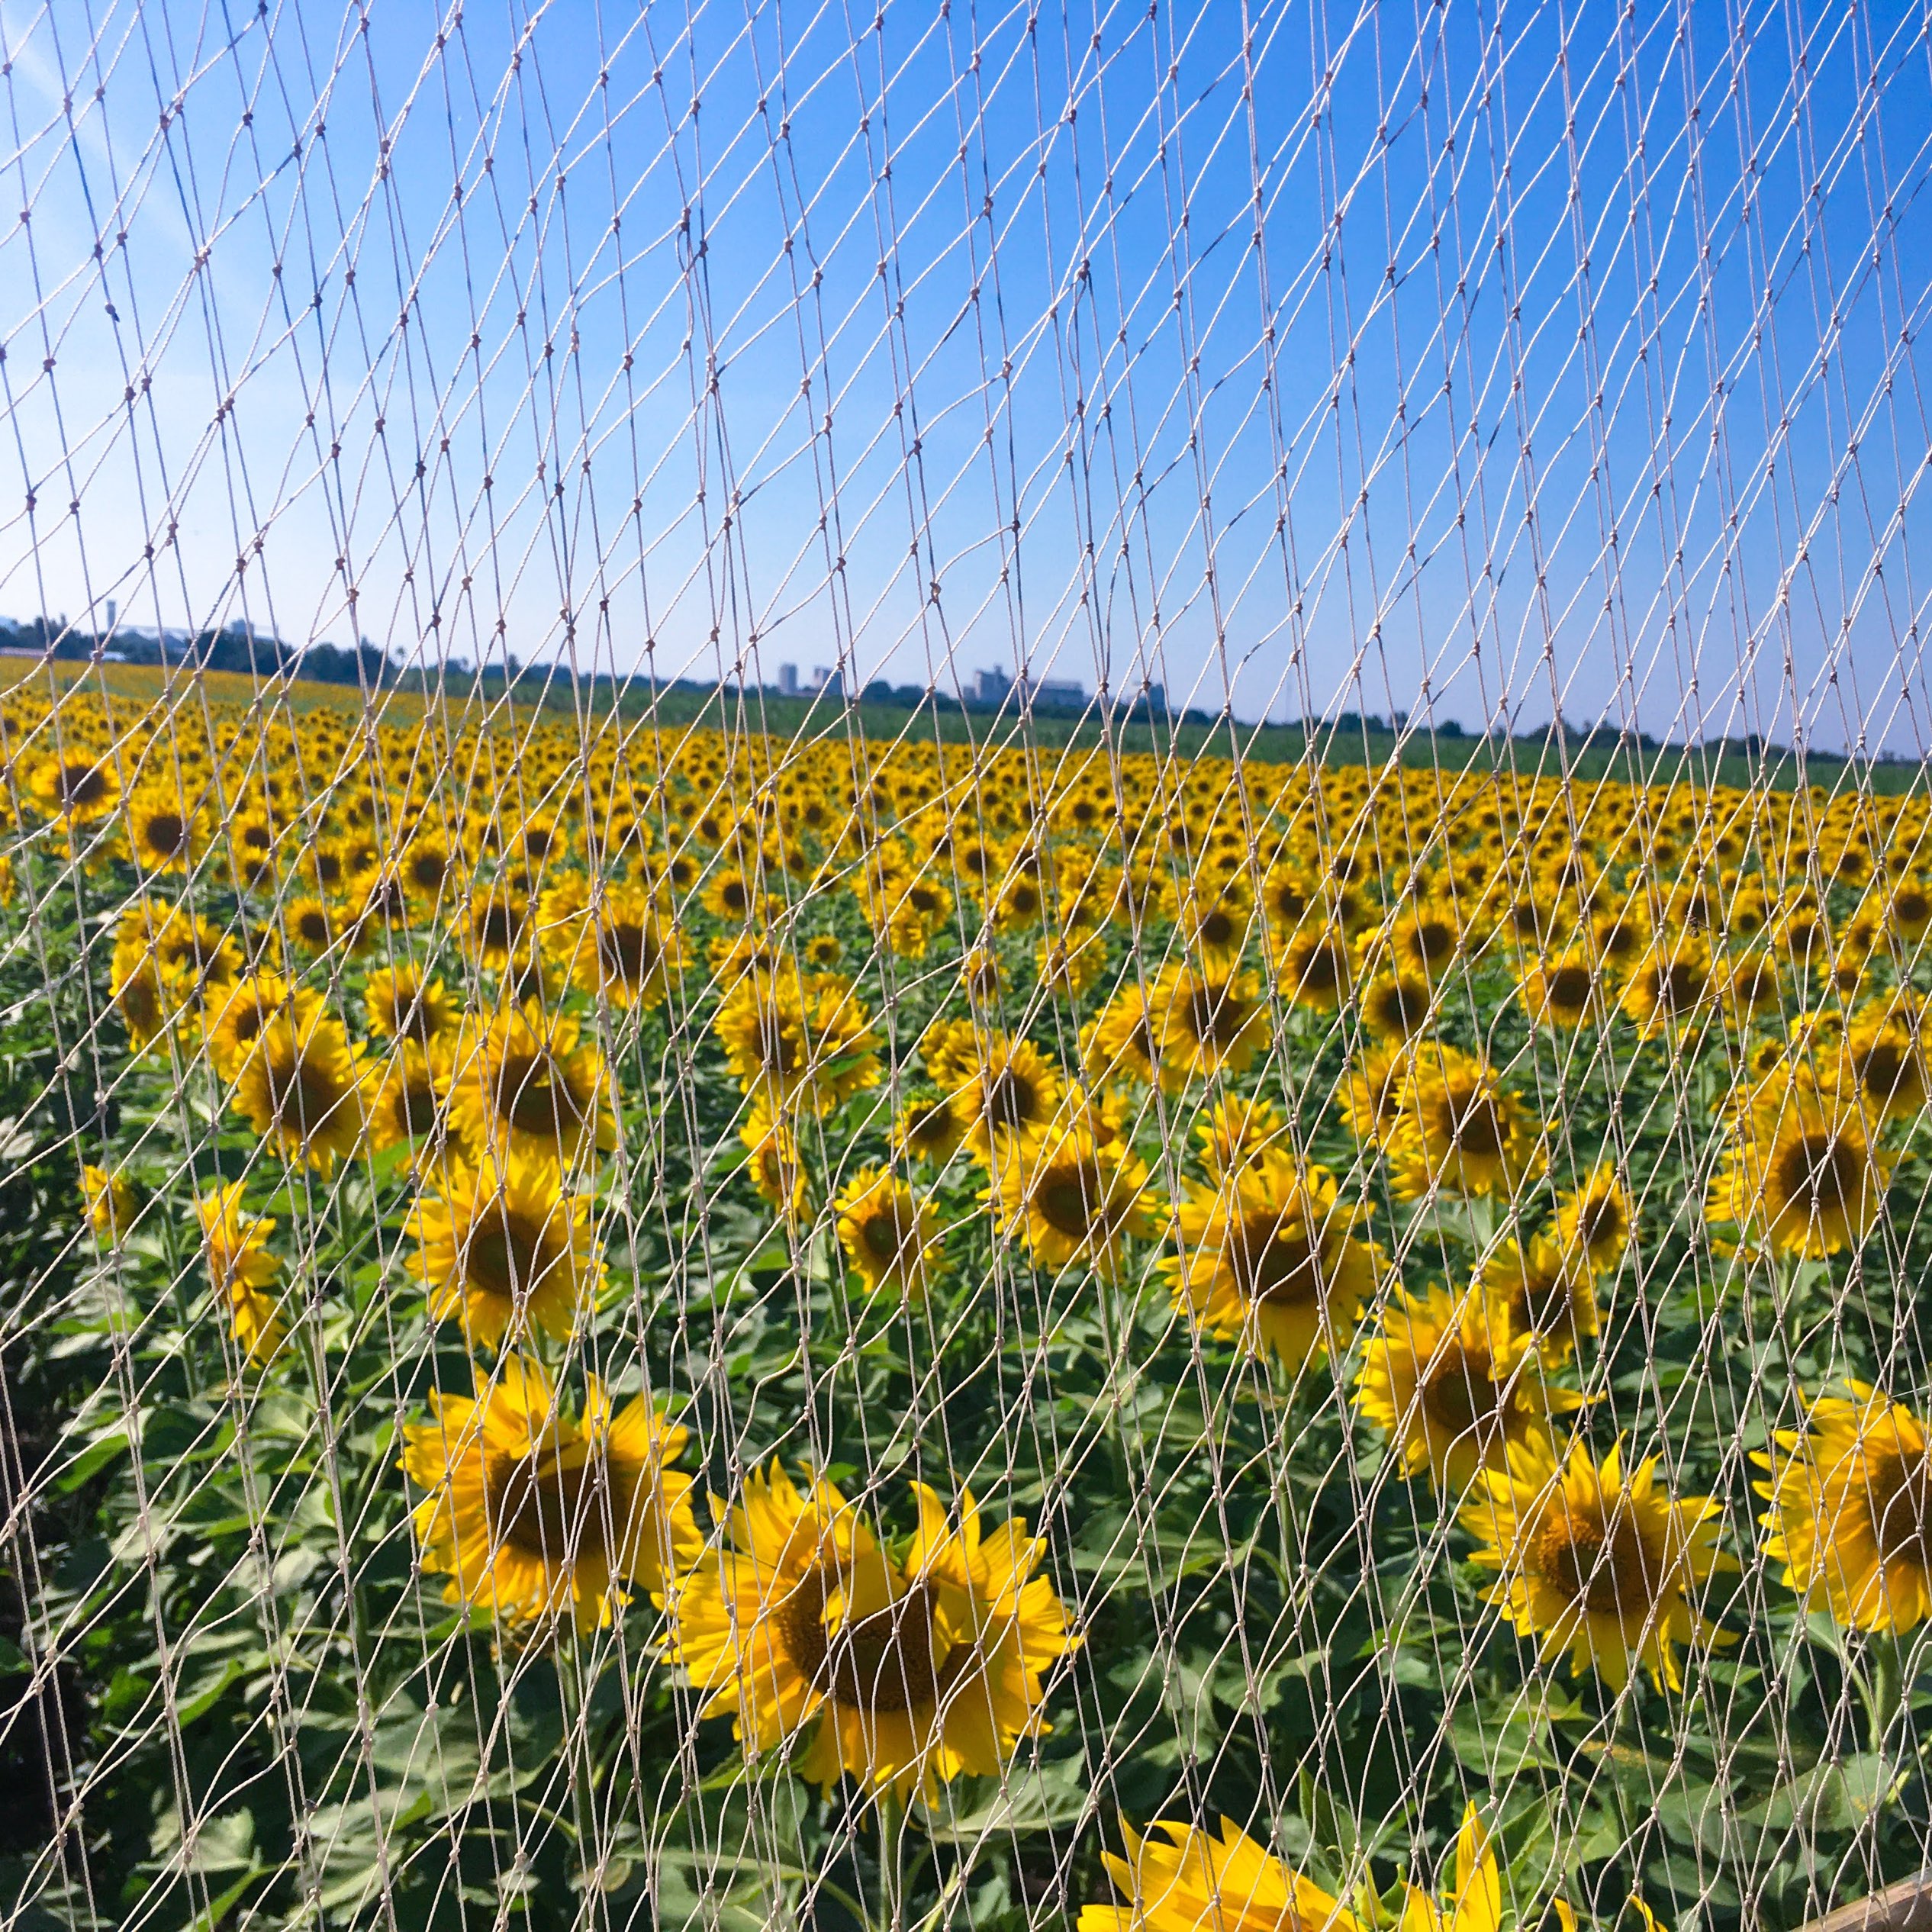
(1595, 1562)
(1851, 1511)
(311, 926)
(163, 829)
(776, 1168)
(241, 1268)
(904, 1672)
(1424, 939)
(145, 1005)
(1210, 1019)
(1124, 1040)
(300, 1086)
(408, 1100)
(1594, 1222)
(404, 1003)
(531, 1513)
(499, 924)
(1370, 1096)
(1075, 1198)
(629, 955)
(1670, 985)
(1009, 1099)
(1180, 1878)
(890, 1236)
(1884, 1054)
(929, 1127)
(1396, 1005)
(236, 1020)
(1801, 1172)
(528, 1083)
(428, 869)
(1546, 1291)
(1270, 1257)
(504, 1247)
(1475, 1903)
(1317, 965)
(109, 1197)
(76, 788)
(1067, 966)
(1234, 1131)
(1454, 1385)
(1459, 1130)
(798, 1041)
(1567, 991)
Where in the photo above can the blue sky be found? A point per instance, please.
(1462, 358)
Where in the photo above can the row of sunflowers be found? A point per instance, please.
(538, 1239)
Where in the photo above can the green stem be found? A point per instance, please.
(573, 1695)
(1885, 1685)
(892, 1840)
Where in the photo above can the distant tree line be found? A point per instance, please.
(233, 647)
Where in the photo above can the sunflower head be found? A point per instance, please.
(1459, 1130)
(1546, 1292)
(405, 1004)
(300, 1086)
(1269, 1257)
(110, 1202)
(890, 1236)
(242, 1272)
(1596, 1562)
(1454, 1384)
(1851, 1511)
(1802, 1172)
(526, 1082)
(1180, 1878)
(902, 1671)
(1076, 1197)
(535, 1515)
(502, 1247)
(930, 1126)
(1594, 1223)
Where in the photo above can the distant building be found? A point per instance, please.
(788, 680)
(1057, 690)
(994, 687)
(828, 679)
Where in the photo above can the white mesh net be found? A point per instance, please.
(964, 968)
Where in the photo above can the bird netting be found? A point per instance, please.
(964, 965)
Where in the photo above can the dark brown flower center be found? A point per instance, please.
(1567, 988)
(1217, 1014)
(302, 1095)
(1461, 1396)
(1275, 1262)
(553, 1508)
(508, 1251)
(628, 950)
(1477, 1128)
(533, 1091)
(883, 1663)
(1820, 1175)
(1011, 1101)
(1898, 1493)
(1608, 1569)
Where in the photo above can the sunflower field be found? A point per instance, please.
(607, 1325)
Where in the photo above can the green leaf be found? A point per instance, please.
(1026, 1798)
(1839, 1794)
(103, 1449)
